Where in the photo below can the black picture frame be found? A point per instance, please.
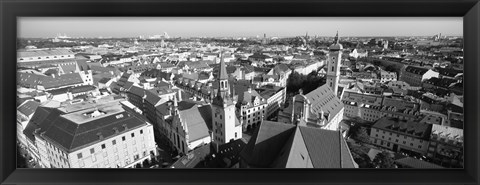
(10, 10)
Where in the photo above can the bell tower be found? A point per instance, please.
(223, 111)
(333, 64)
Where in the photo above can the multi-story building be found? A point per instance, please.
(319, 108)
(386, 76)
(373, 107)
(24, 114)
(251, 106)
(446, 146)
(414, 76)
(275, 99)
(399, 135)
(93, 134)
(185, 124)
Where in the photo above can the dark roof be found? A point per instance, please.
(448, 72)
(28, 107)
(416, 70)
(415, 163)
(72, 136)
(104, 80)
(282, 145)
(411, 128)
(266, 143)
(223, 70)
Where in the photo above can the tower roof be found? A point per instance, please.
(336, 44)
(223, 69)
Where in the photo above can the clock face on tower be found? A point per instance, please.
(217, 111)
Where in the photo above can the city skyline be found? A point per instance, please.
(48, 27)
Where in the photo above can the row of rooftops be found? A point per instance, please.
(33, 80)
(382, 103)
(410, 128)
(42, 53)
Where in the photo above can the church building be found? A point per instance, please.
(321, 107)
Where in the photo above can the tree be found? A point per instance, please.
(383, 160)
(362, 135)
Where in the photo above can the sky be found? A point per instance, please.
(48, 27)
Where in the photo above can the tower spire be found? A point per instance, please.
(336, 38)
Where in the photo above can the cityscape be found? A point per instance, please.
(231, 99)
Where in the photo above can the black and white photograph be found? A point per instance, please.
(240, 92)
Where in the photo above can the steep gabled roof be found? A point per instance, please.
(280, 145)
(324, 99)
(266, 143)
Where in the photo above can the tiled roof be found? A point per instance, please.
(448, 72)
(415, 163)
(411, 128)
(104, 80)
(196, 120)
(282, 145)
(32, 80)
(324, 99)
(223, 70)
(72, 136)
(41, 53)
(441, 82)
(68, 68)
(327, 149)
(265, 144)
(28, 107)
(416, 70)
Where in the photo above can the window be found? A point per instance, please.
(123, 138)
(419, 146)
(114, 142)
(133, 134)
(79, 155)
(411, 144)
(103, 146)
(235, 135)
(141, 131)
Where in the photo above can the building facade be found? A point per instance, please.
(100, 134)
(398, 135)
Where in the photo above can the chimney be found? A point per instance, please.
(115, 130)
(100, 135)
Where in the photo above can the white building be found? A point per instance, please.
(94, 134)
(251, 107)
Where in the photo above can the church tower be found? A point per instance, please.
(224, 119)
(333, 64)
